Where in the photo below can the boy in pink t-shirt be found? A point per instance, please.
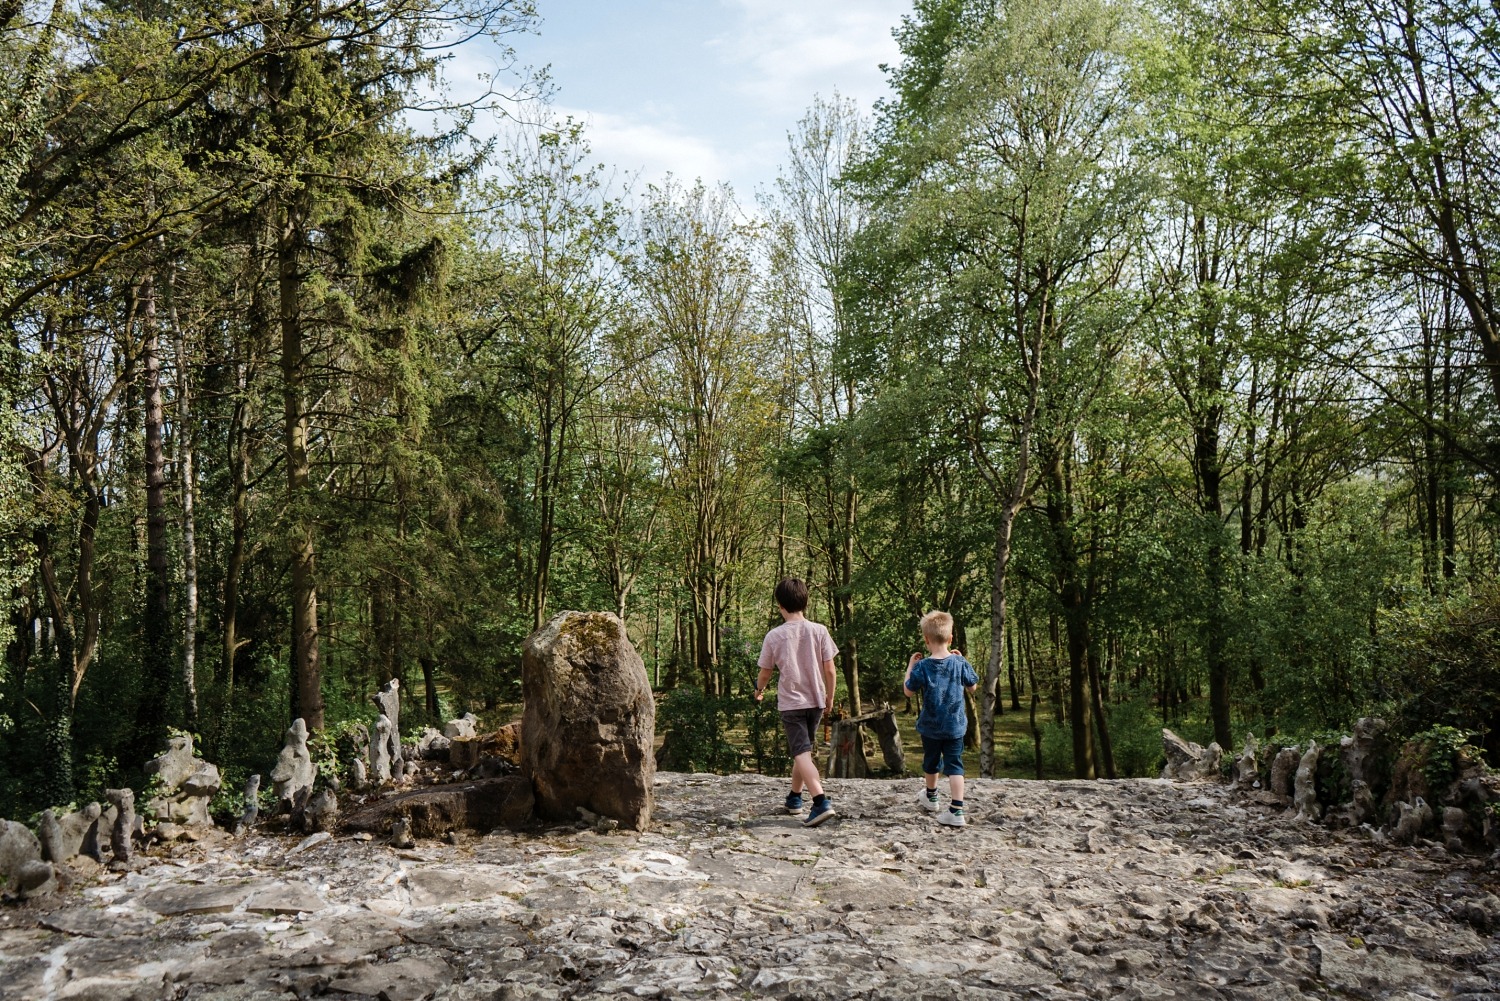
(803, 652)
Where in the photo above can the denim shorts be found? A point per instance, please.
(949, 751)
(800, 725)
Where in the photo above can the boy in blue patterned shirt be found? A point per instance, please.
(942, 677)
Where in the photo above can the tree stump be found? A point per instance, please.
(847, 751)
(889, 735)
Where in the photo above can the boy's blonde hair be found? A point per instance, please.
(938, 626)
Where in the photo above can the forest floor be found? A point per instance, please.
(1131, 889)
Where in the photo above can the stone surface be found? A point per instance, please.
(252, 805)
(1187, 761)
(122, 832)
(388, 701)
(1283, 772)
(465, 726)
(433, 746)
(322, 811)
(590, 720)
(1412, 819)
(410, 979)
(481, 806)
(292, 778)
(96, 835)
(49, 833)
(72, 831)
(1246, 770)
(1056, 891)
(35, 878)
(501, 749)
(1305, 786)
(175, 764)
(184, 786)
(380, 752)
(18, 846)
(1366, 752)
(285, 898)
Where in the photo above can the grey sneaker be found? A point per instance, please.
(953, 817)
(927, 800)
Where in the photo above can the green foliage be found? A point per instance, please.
(1445, 750)
(697, 729)
(1135, 729)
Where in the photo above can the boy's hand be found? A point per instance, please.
(760, 694)
(913, 662)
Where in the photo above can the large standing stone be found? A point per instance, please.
(1305, 790)
(36, 879)
(322, 811)
(590, 720)
(380, 752)
(1366, 754)
(433, 746)
(252, 805)
(1189, 762)
(185, 785)
(97, 833)
(18, 846)
(63, 837)
(464, 726)
(438, 810)
(1246, 771)
(123, 800)
(292, 778)
(1413, 820)
(1283, 770)
(388, 701)
(175, 764)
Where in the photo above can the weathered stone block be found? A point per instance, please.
(477, 806)
(590, 720)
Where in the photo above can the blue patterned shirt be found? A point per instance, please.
(942, 684)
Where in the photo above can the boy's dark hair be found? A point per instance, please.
(791, 594)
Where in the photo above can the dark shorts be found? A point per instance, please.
(947, 751)
(800, 726)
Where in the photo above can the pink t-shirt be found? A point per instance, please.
(798, 649)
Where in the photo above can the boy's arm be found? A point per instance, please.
(767, 664)
(969, 672)
(906, 681)
(830, 682)
(761, 681)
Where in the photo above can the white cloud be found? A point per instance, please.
(654, 148)
(797, 50)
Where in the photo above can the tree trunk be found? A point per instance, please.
(239, 522)
(151, 714)
(1075, 609)
(1101, 721)
(188, 487)
(997, 641)
(307, 685)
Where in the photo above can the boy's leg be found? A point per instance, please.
(805, 773)
(931, 755)
(800, 725)
(953, 767)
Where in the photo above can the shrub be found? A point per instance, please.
(696, 727)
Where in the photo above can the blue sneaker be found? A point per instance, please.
(794, 802)
(819, 813)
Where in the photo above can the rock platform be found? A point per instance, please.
(1131, 889)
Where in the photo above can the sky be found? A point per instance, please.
(700, 88)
